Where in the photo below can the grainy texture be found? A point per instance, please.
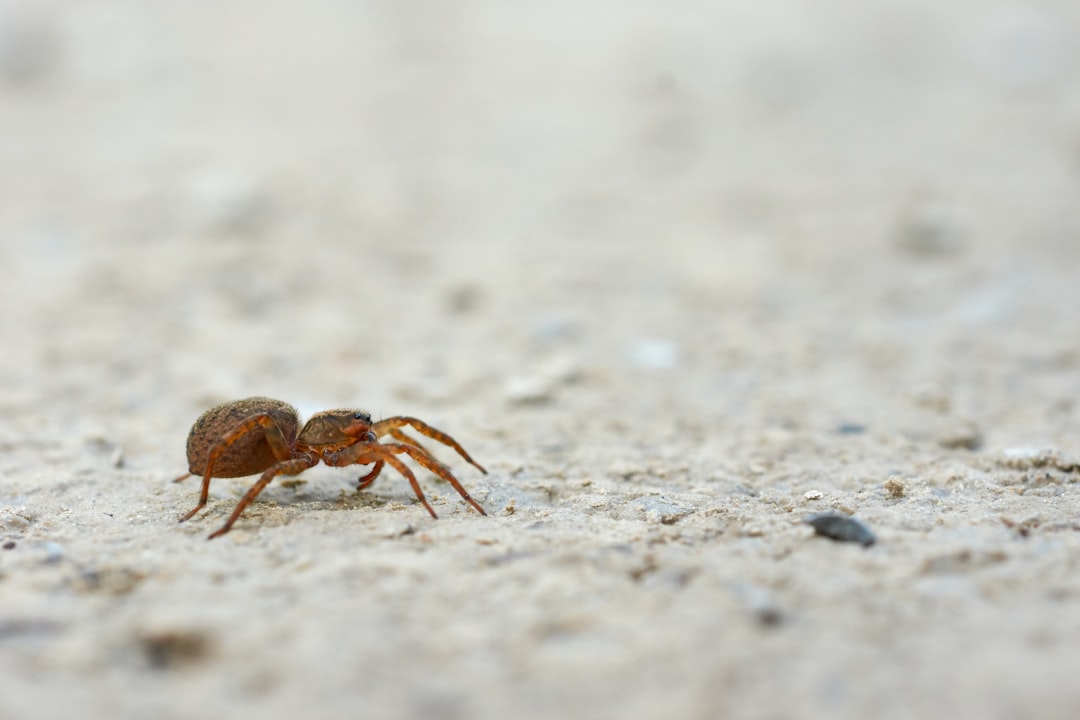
(249, 454)
(677, 274)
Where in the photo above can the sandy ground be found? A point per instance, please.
(678, 274)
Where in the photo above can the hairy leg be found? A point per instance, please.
(404, 470)
(403, 438)
(366, 480)
(288, 467)
(363, 453)
(390, 425)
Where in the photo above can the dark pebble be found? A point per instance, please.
(170, 649)
(842, 528)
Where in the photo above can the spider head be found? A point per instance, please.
(337, 426)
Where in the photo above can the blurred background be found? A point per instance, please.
(425, 202)
(675, 272)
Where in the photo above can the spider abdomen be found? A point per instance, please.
(250, 453)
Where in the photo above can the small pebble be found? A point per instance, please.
(528, 390)
(541, 385)
(658, 510)
(761, 603)
(219, 200)
(842, 528)
(9, 545)
(463, 299)
(54, 553)
(962, 435)
(927, 228)
(15, 519)
(166, 648)
(654, 354)
(551, 329)
(896, 488)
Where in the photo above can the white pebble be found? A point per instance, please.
(654, 354)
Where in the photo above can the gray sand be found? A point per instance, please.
(679, 277)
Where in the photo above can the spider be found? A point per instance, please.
(259, 435)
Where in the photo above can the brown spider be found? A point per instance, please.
(258, 434)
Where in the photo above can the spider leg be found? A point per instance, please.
(389, 425)
(274, 437)
(428, 461)
(363, 453)
(405, 439)
(286, 467)
(366, 480)
(404, 470)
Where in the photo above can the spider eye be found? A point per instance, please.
(360, 415)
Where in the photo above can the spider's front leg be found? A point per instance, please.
(378, 453)
(351, 456)
(367, 452)
(366, 480)
(390, 426)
